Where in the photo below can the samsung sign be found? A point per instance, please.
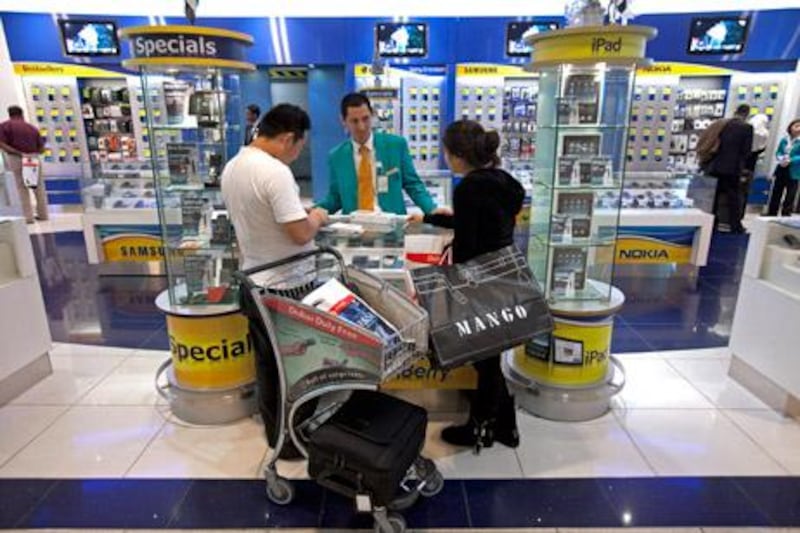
(194, 46)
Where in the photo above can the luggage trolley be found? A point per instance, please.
(324, 371)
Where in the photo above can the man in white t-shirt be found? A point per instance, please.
(263, 198)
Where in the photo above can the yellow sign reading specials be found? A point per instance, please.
(591, 44)
(214, 352)
(421, 375)
(27, 68)
(649, 251)
(126, 247)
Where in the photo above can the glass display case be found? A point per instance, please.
(578, 178)
(191, 132)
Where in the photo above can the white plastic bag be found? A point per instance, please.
(30, 171)
(426, 250)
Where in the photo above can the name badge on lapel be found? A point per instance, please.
(383, 184)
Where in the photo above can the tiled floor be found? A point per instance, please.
(97, 435)
(684, 449)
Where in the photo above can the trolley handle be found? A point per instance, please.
(243, 276)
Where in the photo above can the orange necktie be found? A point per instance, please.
(366, 189)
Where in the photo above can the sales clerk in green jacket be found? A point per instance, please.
(370, 170)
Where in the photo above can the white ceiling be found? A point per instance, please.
(371, 8)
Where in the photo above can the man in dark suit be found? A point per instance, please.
(735, 145)
(251, 116)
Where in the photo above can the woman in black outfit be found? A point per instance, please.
(485, 206)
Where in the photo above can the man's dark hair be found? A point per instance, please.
(354, 100)
(743, 111)
(284, 118)
(254, 109)
(15, 111)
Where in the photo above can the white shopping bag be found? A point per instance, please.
(30, 171)
(426, 250)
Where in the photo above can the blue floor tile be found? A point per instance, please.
(722, 269)
(158, 340)
(725, 287)
(117, 504)
(663, 312)
(663, 338)
(447, 509)
(625, 339)
(679, 502)
(244, 504)
(18, 497)
(521, 503)
(535, 503)
(778, 498)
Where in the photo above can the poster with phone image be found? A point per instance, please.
(567, 351)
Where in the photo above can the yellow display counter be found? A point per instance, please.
(571, 375)
(211, 370)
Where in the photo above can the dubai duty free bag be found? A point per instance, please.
(481, 307)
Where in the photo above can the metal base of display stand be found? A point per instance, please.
(206, 407)
(560, 402)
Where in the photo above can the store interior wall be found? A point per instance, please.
(10, 94)
(327, 85)
(295, 92)
(10, 90)
(255, 89)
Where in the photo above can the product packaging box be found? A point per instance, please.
(334, 298)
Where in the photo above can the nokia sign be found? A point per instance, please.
(644, 254)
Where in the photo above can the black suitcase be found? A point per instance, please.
(367, 446)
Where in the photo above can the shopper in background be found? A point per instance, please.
(19, 139)
(251, 116)
(760, 141)
(485, 206)
(371, 170)
(262, 196)
(787, 172)
(728, 164)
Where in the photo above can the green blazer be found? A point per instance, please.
(792, 149)
(392, 152)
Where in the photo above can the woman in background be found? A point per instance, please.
(485, 206)
(787, 172)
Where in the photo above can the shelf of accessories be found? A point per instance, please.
(54, 109)
(108, 120)
(507, 105)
